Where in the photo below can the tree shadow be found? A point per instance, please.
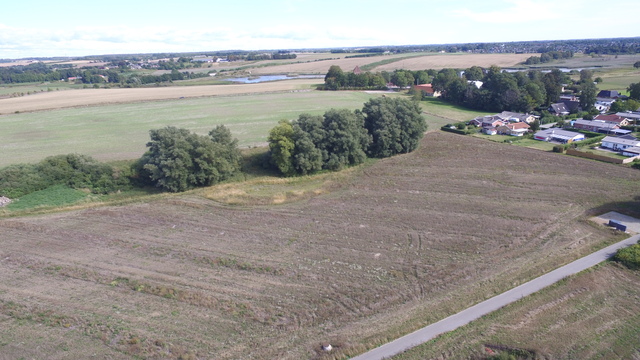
(629, 208)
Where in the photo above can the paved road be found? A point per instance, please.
(466, 316)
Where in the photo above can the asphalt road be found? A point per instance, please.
(466, 316)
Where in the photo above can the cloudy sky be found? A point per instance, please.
(43, 28)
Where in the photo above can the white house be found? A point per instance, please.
(558, 135)
(618, 144)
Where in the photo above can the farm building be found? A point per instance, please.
(558, 135)
(619, 144)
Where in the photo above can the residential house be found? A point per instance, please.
(619, 144)
(595, 126)
(490, 130)
(558, 135)
(559, 109)
(487, 121)
(427, 89)
(357, 70)
(509, 116)
(632, 151)
(612, 119)
(514, 129)
(632, 116)
(608, 94)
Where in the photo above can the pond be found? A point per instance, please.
(264, 78)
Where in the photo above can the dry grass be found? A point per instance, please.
(408, 241)
(88, 97)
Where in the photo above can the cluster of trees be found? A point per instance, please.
(549, 56)
(519, 91)
(340, 138)
(40, 72)
(72, 170)
(178, 160)
(336, 79)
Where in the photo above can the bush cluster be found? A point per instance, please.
(629, 256)
(73, 170)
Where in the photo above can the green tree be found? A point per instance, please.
(178, 160)
(335, 78)
(395, 124)
(588, 92)
(636, 64)
(634, 91)
(474, 73)
(281, 146)
(346, 139)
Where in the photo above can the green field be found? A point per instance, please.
(115, 132)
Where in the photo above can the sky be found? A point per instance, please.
(46, 28)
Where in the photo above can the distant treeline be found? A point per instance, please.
(548, 57)
(40, 72)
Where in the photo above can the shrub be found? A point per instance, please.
(629, 256)
(558, 149)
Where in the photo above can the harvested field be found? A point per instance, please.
(408, 241)
(593, 315)
(87, 97)
(413, 61)
(455, 61)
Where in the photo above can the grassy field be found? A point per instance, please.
(602, 303)
(112, 132)
(353, 260)
(448, 113)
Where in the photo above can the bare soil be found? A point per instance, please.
(408, 241)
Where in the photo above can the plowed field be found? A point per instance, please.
(409, 240)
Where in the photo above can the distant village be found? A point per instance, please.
(617, 128)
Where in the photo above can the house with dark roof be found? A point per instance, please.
(559, 109)
(487, 121)
(608, 94)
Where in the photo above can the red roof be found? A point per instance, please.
(518, 125)
(610, 118)
(426, 88)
